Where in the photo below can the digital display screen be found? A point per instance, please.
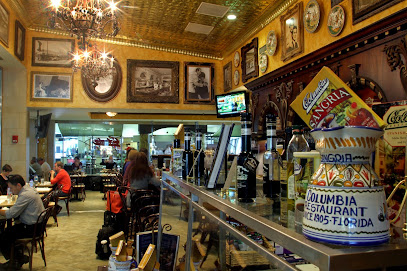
(232, 104)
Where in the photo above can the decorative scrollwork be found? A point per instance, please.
(394, 55)
(255, 103)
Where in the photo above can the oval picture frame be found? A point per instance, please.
(271, 43)
(336, 20)
(109, 89)
(236, 59)
(312, 15)
(236, 77)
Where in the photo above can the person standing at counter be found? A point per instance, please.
(46, 168)
(62, 178)
(77, 165)
(6, 170)
(140, 174)
(27, 208)
(110, 164)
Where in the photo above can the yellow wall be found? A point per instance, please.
(312, 41)
(121, 53)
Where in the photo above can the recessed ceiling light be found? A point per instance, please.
(111, 114)
(232, 17)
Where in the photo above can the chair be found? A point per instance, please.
(48, 203)
(66, 199)
(38, 238)
(142, 214)
(77, 187)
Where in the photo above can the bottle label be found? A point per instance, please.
(251, 164)
(242, 174)
(198, 138)
(283, 172)
(291, 184)
(246, 131)
(187, 137)
(297, 167)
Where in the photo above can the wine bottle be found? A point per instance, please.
(187, 157)
(271, 168)
(199, 157)
(246, 163)
(296, 144)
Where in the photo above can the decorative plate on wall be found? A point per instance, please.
(106, 88)
(236, 59)
(336, 20)
(271, 43)
(312, 14)
(236, 78)
(263, 62)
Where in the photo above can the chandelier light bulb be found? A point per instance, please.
(112, 6)
(55, 3)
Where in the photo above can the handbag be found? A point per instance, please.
(115, 201)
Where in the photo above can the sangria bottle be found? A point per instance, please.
(246, 163)
(199, 157)
(187, 157)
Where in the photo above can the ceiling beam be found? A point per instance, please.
(149, 116)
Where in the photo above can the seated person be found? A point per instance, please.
(62, 178)
(6, 170)
(76, 165)
(110, 164)
(27, 208)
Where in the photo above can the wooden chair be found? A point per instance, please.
(38, 238)
(66, 199)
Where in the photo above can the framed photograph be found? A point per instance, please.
(292, 33)
(48, 52)
(105, 88)
(250, 60)
(199, 82)
(54, 87)
(150, 81)
(363, 9)
(335, 2)
(19, 40)
(227, 77)
(4, 24)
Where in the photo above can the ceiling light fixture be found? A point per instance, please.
(111, 114)
(232, 17)
(94, 64)
(85, 19)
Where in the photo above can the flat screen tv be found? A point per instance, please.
(232, 104)
(42, 125)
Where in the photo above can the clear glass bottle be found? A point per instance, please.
(199, 157)
(271, 167)
(294, 169)
(187, 157)
(246, 163)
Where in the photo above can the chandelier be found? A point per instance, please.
(95, 64)
(85, 19)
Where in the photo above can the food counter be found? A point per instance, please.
(259, 217)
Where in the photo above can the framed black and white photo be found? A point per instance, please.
(199, 82)
(55, 87)
(227, 77)
(50, 52)
(150, 81)
(292, 33)
(19, 40)
(250, 60)
(105, 88)
(4, 24)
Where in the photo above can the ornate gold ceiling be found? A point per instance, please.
(160, 24)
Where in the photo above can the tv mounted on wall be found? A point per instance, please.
(232, 104)
(42, 125)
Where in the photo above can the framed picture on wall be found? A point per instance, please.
(19, 40)
(227, 77)
(55, 87)
(363, 9)
(199, 82)
(4, 24)
(105, 88)
(50, 52)
(292, 33)
(150, 81)
(250, 60)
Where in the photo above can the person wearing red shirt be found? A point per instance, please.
(62, 178)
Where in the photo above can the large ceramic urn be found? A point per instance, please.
(344, 203)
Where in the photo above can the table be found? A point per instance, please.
(45, 184)
(5, 203)
(43, 190)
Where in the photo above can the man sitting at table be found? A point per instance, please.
(62, 179)
(27, 208)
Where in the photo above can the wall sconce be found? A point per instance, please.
(111, 114)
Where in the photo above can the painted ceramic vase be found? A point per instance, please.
(344, 204)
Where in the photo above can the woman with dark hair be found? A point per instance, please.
(140, 174)
(6, 170)
(77, 164)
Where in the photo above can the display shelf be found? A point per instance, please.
(258, 216)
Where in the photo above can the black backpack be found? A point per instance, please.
(103, 250)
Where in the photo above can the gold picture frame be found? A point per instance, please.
(292, 33)
(51, 87)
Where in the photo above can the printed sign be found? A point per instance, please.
(396, 131)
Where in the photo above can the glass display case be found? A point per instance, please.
(242, 234)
